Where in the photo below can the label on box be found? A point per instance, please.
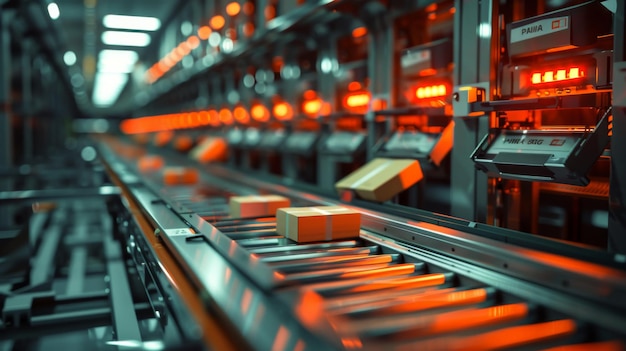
(179, 232)
(539, 28)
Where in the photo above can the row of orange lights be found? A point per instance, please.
(551, 76)
(184, 48)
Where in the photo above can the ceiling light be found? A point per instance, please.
(107, 88)
(131, 22)
(117, 61)
(69, 58)
(53, 10)
(125, 38)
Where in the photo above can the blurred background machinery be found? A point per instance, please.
(128, 128)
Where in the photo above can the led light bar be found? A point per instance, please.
(357, 100)
(431, 91)
(131, 22)
(558, 75)
(125, 38)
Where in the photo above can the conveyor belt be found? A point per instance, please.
(371, 292)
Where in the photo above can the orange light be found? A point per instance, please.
(283, 111)
(260, 113)
(353, 86)
(309, 94)
(312, 107)
(270, 12)
(357, 100)
(559, 75)
(217, 22)
(204, 118)
(204, 32)
(241, 115)
(431, 91)
(226, 116)
(193, 42)
(214, 118)
(427, 72)
(359, 32)
(248, 29)
(248, 8)
(233, 9)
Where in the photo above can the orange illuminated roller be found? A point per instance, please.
(150, 163)
(180, 176)
(414, 302)
(259, 113)
(505, 338)
(409, 326)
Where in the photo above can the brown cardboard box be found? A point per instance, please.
(256, 205)
(322, 223)
(150, 163)
(382, 178)
(180, 175)
(210, 150)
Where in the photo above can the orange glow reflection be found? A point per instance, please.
(260, 113)
(217, 22)
(420, 281)
(283, 111)
(359, 32)
(233, 8)
(241, 115)
(226, 117)
(461, 320)
(204, 32)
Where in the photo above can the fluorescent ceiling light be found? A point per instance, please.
(69, 58)
(125, 38)
(53, 10)
(131, 22)
(107, 88)
(117, 61)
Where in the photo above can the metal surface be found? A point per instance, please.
(473, 64)
(617, 189)
(368, 288)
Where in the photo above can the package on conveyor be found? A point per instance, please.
(180, 175)
(256, 205)
(381, 178)
(321, 223)
(150, 163)
(210, 149)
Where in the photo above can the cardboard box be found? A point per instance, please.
(180, 175)
(256, 205)
(150, 163)
(210, 150)
(322, 223)
(382, 178)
